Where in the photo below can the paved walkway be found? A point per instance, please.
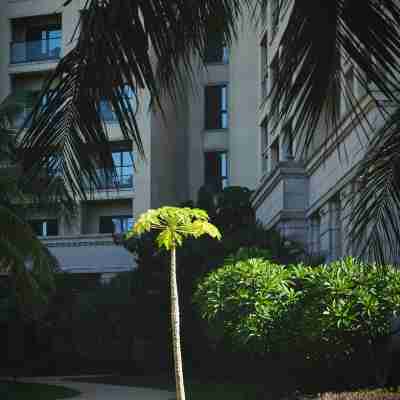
(97, 391)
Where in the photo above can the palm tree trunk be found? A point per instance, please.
(176, 337)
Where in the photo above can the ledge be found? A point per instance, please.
(33, 66)
(89, 254)
(269, 182)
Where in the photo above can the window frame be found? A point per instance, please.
(219, 44)
(223, 179)
(44, 225)
(224, 110)
(120, 168)
(106, 111)
(122, 219)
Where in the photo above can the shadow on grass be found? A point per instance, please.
(34, 391)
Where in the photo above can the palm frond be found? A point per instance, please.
(43, 190)
(318, 37)
(147, 45)
(23, 256)
(375, 221)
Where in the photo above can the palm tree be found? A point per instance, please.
(22, 255)
(175, 224)
(317, 38)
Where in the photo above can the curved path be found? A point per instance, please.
(97, 391)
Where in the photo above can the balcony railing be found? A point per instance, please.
(118, 182)
(38, 50)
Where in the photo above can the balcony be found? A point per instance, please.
(112, 187)
(282, 199)
(89, 254)
(34, 56)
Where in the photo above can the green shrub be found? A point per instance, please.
(325, 312)
(245, 299)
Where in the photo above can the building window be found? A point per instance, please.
(123, 163)
(275, 154)
(349, 89)
(42, 42)
(123, 178)
(216, 107)
(216, 49)
(275, 15)
(44, 227)
(115, 224)
(264, 147)
(288, 147)
(264, 69)
(275, 71)
(216, 170)
(106, 110)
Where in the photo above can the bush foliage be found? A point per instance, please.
(325, 312)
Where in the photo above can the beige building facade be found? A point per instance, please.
(211, 137)
(308, 199)
(219, 134)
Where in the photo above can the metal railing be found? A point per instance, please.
(118, 182)
(37, 50)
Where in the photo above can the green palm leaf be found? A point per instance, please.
(375, 225)
(319, 36)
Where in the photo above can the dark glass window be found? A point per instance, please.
(216, 50)
(115, 224)
(216, 170)
(216, 107)
(43, 42)
(107, 111)
(45, 227)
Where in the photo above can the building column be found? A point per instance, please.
(74, 226)
(324, 232)
(335, 228)
(314, 235)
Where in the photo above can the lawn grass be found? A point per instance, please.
(33, 391)
(195, 389)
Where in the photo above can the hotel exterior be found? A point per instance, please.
(220, 134)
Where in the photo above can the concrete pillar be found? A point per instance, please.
(324, 231)
(335, 229)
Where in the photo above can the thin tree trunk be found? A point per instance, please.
(176, 337)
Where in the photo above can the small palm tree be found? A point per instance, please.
(175, 224)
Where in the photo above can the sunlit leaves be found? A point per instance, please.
(175, 224)
(315, 310)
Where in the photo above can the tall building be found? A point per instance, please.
(307, 198)
(220, 134)
(210, 138)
